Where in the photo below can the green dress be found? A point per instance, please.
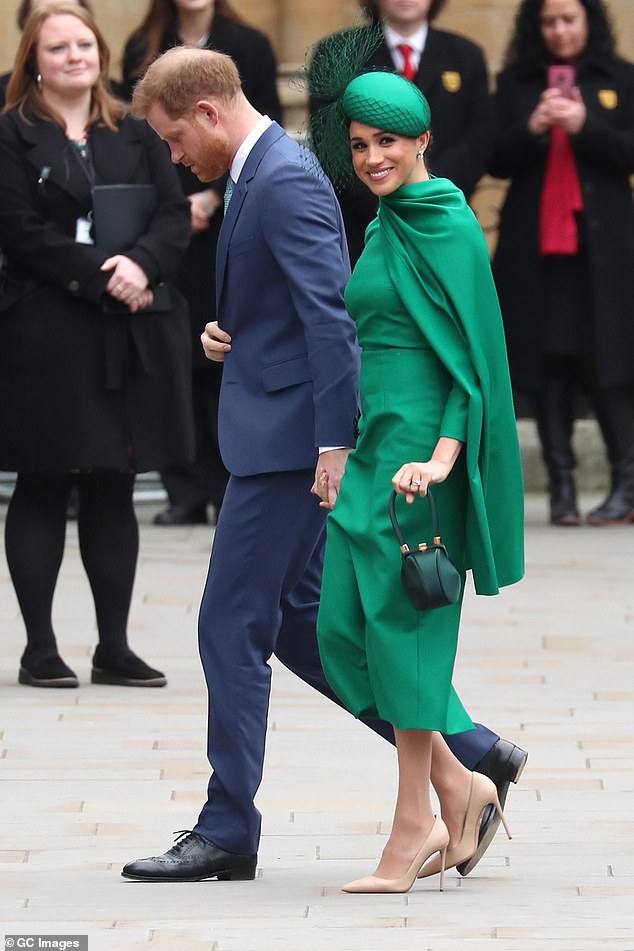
(433, 364)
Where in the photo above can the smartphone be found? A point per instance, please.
(562, 77)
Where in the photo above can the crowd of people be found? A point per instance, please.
(316, 392)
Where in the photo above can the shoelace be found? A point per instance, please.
(181, 839)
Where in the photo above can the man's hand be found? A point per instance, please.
(215, 342)
(203, 206)
(329, 472)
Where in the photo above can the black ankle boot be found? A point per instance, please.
(46, 671)
(563, 502)
(124, 670)
(618, 507)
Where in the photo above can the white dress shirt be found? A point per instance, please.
(416, 41)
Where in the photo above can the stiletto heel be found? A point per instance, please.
(443, 861)
(483, 793)
(436, 841)
(503, 818)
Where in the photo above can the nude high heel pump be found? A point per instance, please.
(436, 841)
(483, 793)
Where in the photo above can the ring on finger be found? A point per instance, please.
(415, 482)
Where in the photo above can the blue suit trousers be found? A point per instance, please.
(261, 597)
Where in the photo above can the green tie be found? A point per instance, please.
(228, 192)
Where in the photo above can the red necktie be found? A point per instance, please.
(409, 70)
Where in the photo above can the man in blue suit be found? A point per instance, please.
(288, 405)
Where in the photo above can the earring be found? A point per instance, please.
(420, 154)
(38, 80)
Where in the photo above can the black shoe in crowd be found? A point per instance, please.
(616, 509)
(127, 670)
(48, 671)
(182, 515)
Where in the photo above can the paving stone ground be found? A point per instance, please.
(93, 777)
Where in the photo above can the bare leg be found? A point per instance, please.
(452, 782)
(413, 815)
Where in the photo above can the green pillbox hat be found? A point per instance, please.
(387, 101)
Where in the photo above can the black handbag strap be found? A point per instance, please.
(397, 528)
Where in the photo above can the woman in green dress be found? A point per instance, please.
(436, 408)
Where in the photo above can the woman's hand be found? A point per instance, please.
(569, 114)
(203, 206)
(554, 109)
(128, 282)
(414, 478)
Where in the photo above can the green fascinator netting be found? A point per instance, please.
(388, 102)
(342, 89)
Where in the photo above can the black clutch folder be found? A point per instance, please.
(120, 215)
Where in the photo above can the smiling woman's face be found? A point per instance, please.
(383, 160)
(67, 55)
(564, 29)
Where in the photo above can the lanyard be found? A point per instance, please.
(81, 151)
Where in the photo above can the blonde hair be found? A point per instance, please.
(181, 76)
(23, 92)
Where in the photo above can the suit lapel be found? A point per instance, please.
(382, 58)
(241, 188)
(48, 150)
(121, 151)
(431, 63)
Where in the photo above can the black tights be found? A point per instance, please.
(35, 533)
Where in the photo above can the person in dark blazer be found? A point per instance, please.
(567, 284)
(451, 71)
(93, 387)
(215, 26)
(288, 405)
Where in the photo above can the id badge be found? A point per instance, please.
(82, 231)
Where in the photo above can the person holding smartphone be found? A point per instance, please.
(564, 263)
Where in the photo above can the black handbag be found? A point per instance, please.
(429, 577)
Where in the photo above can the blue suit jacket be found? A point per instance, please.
(290, 381)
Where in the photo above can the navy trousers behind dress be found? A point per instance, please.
(261, 597)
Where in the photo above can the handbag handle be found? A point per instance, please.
(397, 528)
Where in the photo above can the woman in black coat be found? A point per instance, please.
(564, 264)
(214, 25)
(94, 378)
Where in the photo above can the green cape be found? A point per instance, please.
(438, 260)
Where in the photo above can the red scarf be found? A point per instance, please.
(561, 197)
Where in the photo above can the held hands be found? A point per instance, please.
(128, 283)
(216, 343)
(554, 109)
(331, 466)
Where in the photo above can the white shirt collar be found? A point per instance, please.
(416, 40)
(243, 152)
